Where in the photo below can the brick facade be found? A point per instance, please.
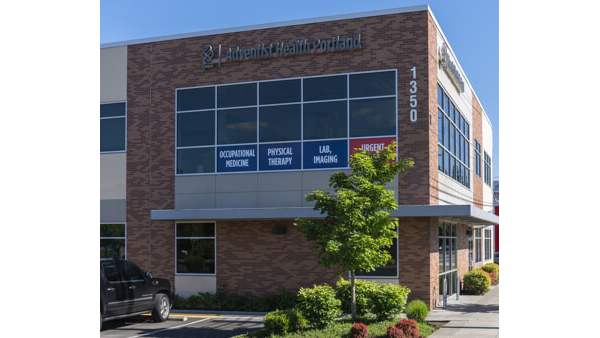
(250, 259)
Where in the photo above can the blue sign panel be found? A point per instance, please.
(326, 154)
(280, 156)
(236, 158)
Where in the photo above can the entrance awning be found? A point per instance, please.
(453, 213)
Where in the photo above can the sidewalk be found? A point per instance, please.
(470, 316)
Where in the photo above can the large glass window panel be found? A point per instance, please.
(451, 111)
(196, 160)
(390, 269)
(112, 248)
(325, 88)
(456, 115)
(447, 254)
(195, 230)
(452, 167)
(112, 230)
(283, 91)
(454, 253)
(236, 126)
(196, 98)
(441, 251)
(373, 117)
(196, 256)
(457, 143)
(325, 120)
(467, 130)
(112, 109)
(372, 84)
(445, 108)
(440, 158)
(446, 163)
(440, 96)
(451, 139)
(446, 133)
(236, 95)
(196, 129)
(440, 127)
(280, 123)
(112, 134)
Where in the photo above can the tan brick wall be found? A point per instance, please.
(252, 260)
(476, 128)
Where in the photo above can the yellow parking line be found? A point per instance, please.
(190, 315)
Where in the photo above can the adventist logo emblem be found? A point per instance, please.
(207, 56)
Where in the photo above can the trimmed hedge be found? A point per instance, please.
(492, 268)
(364, 291)
(389, 300)
(476, 282)
(225, 301)
(319, 305)
(283, 321)
(417, 310)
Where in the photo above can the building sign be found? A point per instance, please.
(236, 158)
(370, 144)
(325, 154)
(277, 49)
(280, 156)
(451, 68)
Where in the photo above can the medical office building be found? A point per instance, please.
(210, 142)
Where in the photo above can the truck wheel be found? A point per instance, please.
(162, 307)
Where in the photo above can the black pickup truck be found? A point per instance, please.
(125, 290)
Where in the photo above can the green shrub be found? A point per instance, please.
(494, 268)
(276, 323)
(476, 282)
(389, 300)
(364, 292)
(417, 310)
(319, 305)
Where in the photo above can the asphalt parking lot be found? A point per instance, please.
(196, 325)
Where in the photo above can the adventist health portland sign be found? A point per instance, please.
(277, 49)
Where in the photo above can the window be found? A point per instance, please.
(195, 248)
(113, 123)
(447, 251)
(487, 169)
(373, 117)
(478, 245)
(453, 139)
(111, 272)
(477, 159)
(132, 272)
(325, 120)
(282, 124)
(390, 269)
(112, 241)
(488, 244)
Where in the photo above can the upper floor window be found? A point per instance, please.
(453, 140)
(113, 122)
(487, 168)
(477, 159)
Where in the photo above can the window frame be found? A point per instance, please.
(453, 139)
(116, 117)
(123, 238)
(176, 249)
(258, 105)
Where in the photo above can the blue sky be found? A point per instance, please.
(471, 26)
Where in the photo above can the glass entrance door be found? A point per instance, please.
(448, 271)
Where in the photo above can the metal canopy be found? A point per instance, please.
(454, 213)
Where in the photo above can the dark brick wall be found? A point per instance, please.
(252, 260)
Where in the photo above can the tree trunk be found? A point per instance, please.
(353, 303)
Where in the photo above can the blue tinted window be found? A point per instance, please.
(112, 109)
(280, 123)
(195, 98)
(196, 160)
(325, 120)
(440, 127)
(440, 97)
(112, 134)
(280, 91)
(373, 117)
(236, 126)
(372, 84)
(236, 95)
(196, 129)
(325, 88)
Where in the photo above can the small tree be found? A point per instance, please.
(357, 228)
